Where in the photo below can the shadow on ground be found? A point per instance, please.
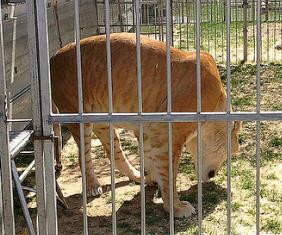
(129, 214)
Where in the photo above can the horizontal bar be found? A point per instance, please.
(19, 120)
(164, 117)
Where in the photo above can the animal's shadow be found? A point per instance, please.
(128, 216)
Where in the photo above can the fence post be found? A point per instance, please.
(8, 206)
(43, 131)
(245, 29)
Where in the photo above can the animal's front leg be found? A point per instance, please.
(156, 149)
(181, 208)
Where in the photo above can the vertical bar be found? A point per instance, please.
(155, 20)
(245, 29)
(140, 110)
(36, 116)
(110, 96)
(45, 91)
(168, 77)
(222, 30)
(274, 32)
(267, 27)
(258, 56)
(199, 110)
(1, 207)
(228, 109)
(187, 25)
(142, 175)
(236, 30)
(80, 109)
(8, 206)
(14, 37)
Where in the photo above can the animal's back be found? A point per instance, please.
(124, 76)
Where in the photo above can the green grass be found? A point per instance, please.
(130, 145)
(276, 142)
(73, 158)
(273, 226)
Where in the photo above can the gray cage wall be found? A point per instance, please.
(185, 25)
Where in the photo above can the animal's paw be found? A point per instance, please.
(94, 191)
(183, 209)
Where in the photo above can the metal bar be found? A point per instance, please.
(8, 206)
(163, 117)
(169, 109)
(12, 80)
(199, 110)
(258, 97)
(138, 58)
(26, 171)
(113, 192)
(45, 92)
(19, 120)
(22, 199)
(80, 108)
(20, 94)
(142, 175)
(140, 108)
(36, 114)
(228, 110)
(245, 29)
(110, 103)
(1, 207)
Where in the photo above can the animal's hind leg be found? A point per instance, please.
(92, 184)
(121, 161)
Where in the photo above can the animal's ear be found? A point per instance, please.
(237, 126)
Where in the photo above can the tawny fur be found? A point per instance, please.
(154, 94)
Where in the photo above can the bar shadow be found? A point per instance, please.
(129, 213)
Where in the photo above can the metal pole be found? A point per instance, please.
(8, 206)
(36, 114)
(110, 102)
(199, 110)
(258, 97)
(245, 29)
(228, 110)
(140, 109)
(80, 107)
(47, 129)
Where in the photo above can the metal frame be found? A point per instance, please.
(43, 117)
(7, 194)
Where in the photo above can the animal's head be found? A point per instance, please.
(214, 146)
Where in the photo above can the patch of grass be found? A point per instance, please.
(151, 219)
(272, 176)
(236, 206)
(276, 142)
(242, 101)
(186, 166)
(273, 225)
(270, 156)
(126, 225)
(248, 181)
(130, 145)
(73, 157)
